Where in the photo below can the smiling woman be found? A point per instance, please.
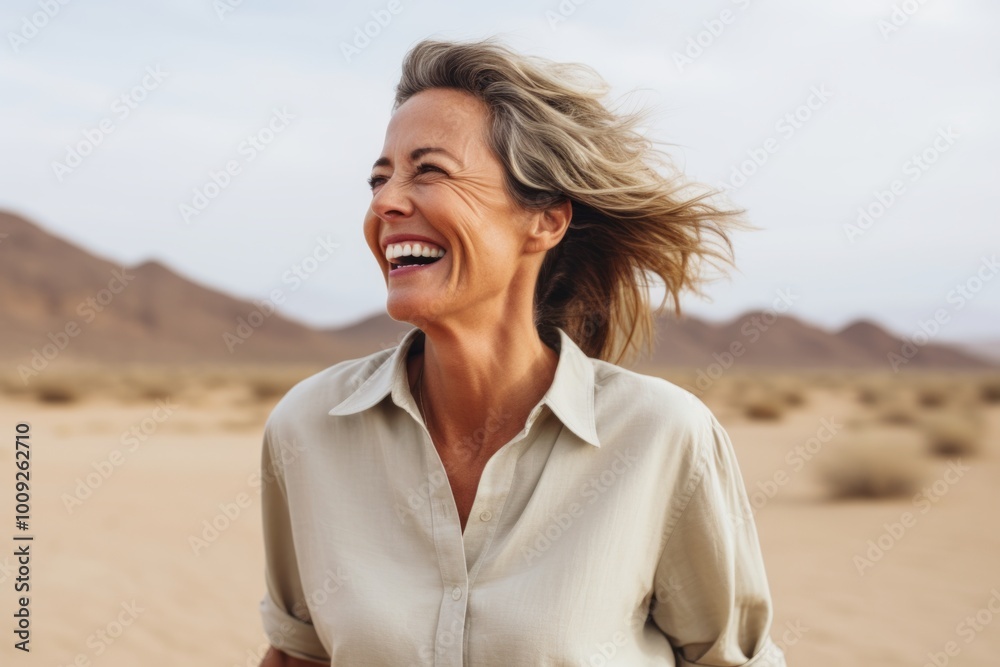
(496, 490)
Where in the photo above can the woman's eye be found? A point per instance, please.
(375, 181)
(423, 168)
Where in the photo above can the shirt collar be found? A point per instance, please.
(570, 397)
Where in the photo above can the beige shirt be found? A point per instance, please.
(614, 529)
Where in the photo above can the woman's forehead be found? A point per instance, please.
(441, 109)
(452, 121)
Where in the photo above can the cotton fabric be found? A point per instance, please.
(614, 529)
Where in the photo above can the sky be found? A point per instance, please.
(231, 140)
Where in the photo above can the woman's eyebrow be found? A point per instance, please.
(415, 155)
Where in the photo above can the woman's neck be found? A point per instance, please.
(479, 385)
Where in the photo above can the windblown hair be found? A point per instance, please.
(556, 139)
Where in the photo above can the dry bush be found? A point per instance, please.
(898, 413)
(762, 396)
(875, 389)
(954, 434)
(932, 397)
(793, 397)
(870, 396)
(144, 384)
(989, 390)
(764, 408)
(790, 388)
(874, 462)
(56, 393)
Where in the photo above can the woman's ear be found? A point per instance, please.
(548, 226)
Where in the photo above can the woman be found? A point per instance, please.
(494, 490)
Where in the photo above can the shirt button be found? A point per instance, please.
(486, 516)
(456, 593)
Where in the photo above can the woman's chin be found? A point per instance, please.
(409, 308)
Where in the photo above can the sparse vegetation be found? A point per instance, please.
(943, 408)
(874, 463)
(793, 397)
(932, 397)
(898, 414)
(989, 391)
(147, 383)
(953, 435)
(763, 396)
(869, 396)
(54, 393)
(764, 408)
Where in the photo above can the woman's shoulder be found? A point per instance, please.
(671, 430)
(314, 396)
(649, 402)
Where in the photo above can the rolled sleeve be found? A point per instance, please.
(283, 609)
(711, 598)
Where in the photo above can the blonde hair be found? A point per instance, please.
(556, 140)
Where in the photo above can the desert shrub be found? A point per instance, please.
(932, 397)
(898, 413)
(793, 397)
(874, 390)
(56, 393)
(877, 462)
(953, 435)
(152, 384)
(764, 408)
(989, 391)
(869, 396)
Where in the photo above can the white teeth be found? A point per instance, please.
(395, 250)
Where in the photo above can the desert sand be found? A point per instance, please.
(119, 579)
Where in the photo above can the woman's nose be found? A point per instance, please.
(391, 201)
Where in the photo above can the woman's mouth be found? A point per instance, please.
(402, 269)
(411, 263)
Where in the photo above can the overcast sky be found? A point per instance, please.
(115, 113)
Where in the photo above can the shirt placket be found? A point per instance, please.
(447, 535)
(460, 557)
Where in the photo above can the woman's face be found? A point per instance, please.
(437, 179)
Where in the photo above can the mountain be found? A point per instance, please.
(875, 341)
(762, 339)
(372, 333)
(56, 296)
(988, 349)
(58, 299)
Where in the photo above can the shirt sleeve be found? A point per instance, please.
(283, 608)
(711, 596)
